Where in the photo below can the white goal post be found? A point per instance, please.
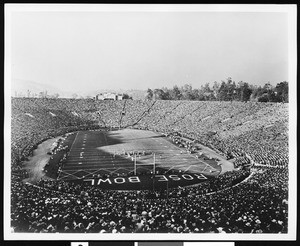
(146, 164)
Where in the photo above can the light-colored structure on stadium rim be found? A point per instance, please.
(109, 96)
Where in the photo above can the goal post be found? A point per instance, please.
(146, 164)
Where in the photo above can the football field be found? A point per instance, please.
(115, 153)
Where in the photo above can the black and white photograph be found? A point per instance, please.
(150, 122)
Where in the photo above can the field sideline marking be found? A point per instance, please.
(74, 141)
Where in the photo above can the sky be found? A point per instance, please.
(84, 50)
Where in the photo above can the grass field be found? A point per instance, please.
(97, 153)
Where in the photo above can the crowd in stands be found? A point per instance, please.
(254, 206)
(249, 133)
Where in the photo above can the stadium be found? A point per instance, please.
(148, 166)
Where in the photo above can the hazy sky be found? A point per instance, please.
(137, 50)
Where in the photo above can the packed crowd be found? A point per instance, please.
(249, 133)
(253, 206)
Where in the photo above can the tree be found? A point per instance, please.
(272, 96)
(257, 91)
(159, 94)
(267, 92)
(216, 87)
(149, 95)
(227, 90)
(166, 95)
(267, 87)
(196, 95)
(207, 93)
(222, 94)
(175, 93)
(187, 92)
(126, 96)
(282, 91)
(230, 89)
(263, 98)
(206, 88)
(245, 92)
